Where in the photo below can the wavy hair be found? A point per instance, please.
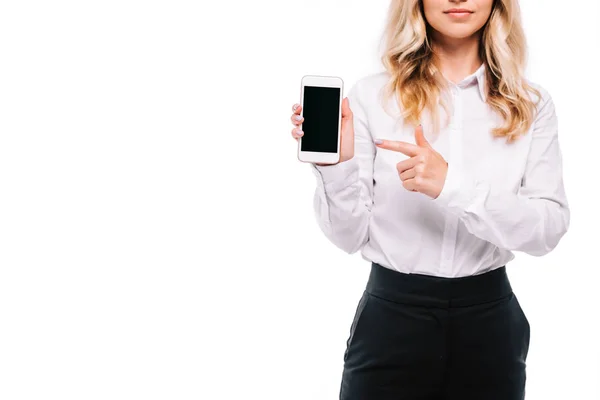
(409, 59)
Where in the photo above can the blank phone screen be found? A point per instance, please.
(321, 118)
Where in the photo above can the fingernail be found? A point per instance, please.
(295, 107)
(298, 117)
(299, 133)
(378, 141)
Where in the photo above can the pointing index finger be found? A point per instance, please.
(409, 149)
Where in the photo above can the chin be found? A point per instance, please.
(459, 34)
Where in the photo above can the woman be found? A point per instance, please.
(437, 192)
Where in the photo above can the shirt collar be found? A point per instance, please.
(478, 77)
(480, 73)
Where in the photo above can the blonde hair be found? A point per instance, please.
(409, 59)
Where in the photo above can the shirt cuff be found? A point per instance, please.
(337, 176)
(458, 191)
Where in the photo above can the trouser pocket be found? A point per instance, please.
(359, 310)
(525, 322)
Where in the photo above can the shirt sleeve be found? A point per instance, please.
(344, 194)
(535, 218)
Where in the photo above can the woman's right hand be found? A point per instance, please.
(347, 141)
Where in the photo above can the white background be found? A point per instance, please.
(157, 237)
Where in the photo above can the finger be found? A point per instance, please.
(410, 184)
(297, 133)
(408, 174)
(296, 108)
(407, 164)
(420, 139)
(296, 119)
(346, 111)
(403, 147)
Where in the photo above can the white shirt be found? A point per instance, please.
(497, 198)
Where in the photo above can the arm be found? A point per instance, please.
(343, 197)
(533, 220)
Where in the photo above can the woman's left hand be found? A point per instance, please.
(425, 171)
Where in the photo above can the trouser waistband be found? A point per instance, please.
(434, 291)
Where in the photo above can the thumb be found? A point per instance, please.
(346, 111)
(420, 139)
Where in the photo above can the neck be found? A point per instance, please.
(457, 58)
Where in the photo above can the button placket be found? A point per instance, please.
(451, 221)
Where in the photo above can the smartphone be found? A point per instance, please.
(321, 100)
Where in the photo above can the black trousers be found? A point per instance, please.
(421, 337)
